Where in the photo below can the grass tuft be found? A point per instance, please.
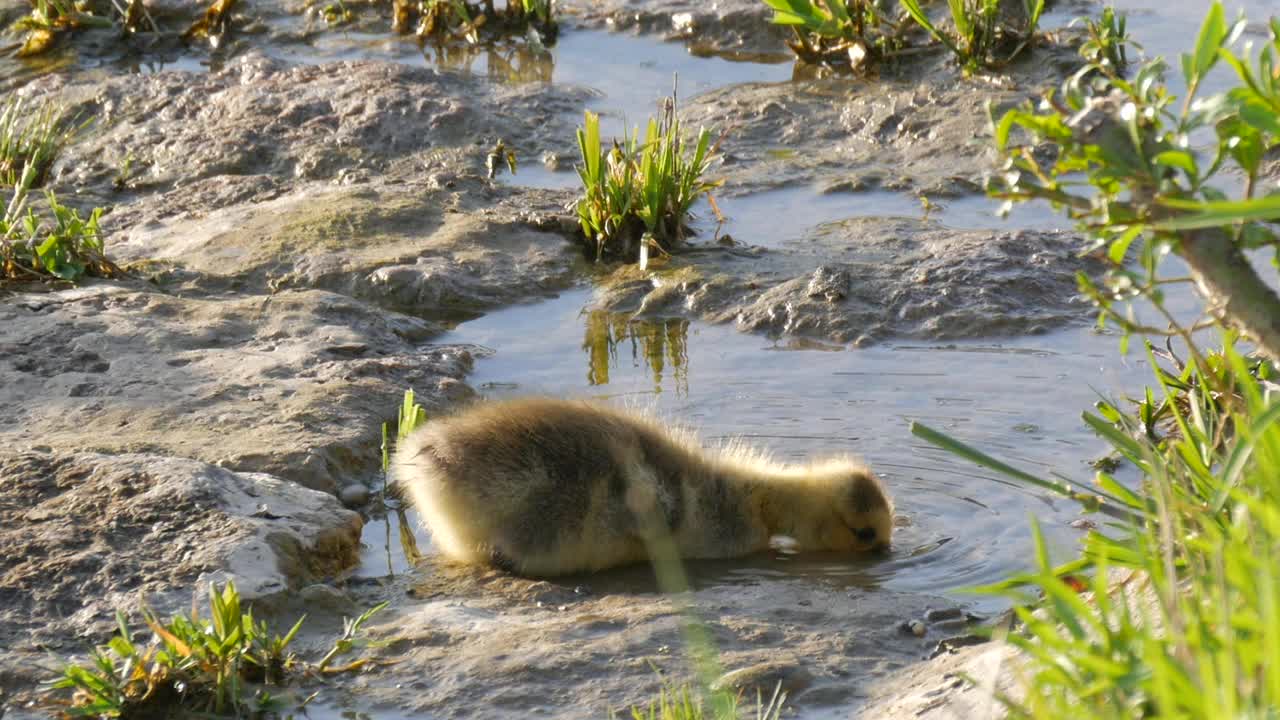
(637, 195)
(859, 34)
(31, 136)
(983, 33)
(220, 664)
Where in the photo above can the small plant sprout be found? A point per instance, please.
(500, 155)
(31, 136)
(983, 35)
(64, 247)
(637, 195)
(206, 665)
(855, 33)
(1106, 39)
(48, 20)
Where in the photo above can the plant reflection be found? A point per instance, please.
(658, 344)
(511, 64)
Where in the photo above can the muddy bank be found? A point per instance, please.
(919, 128)
(468, 639)
(868, 279)
(294, 384)
(273, 126)
(83, 534)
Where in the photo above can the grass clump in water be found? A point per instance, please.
(637, 195)
(444, 20)
(982, 34)
(1107, 39)
(857, 33)
(49, 20)
(862, 34)
(222, 664)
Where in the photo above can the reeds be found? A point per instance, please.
(637, 195)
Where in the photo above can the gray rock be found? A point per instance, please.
(354, 495)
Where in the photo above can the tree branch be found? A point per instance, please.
(1232, 289)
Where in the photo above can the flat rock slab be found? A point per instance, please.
(869, 279)
(72, 526)
(273, 126)
(295, 384)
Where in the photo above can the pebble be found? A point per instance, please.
(354, 495)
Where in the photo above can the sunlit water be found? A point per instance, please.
(1019, 399)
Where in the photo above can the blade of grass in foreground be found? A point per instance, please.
(1092, 500)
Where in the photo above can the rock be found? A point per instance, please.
(354, 495)
(852, 282)
(764, 679)
(247, 382)
(93, 533)
(328, 600)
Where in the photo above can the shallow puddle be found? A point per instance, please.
(1019, 399)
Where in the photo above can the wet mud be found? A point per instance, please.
(864, 280)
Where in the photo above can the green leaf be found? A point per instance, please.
(1219, 213)
(1212, 33)
(1120, 247)
(1180, 159)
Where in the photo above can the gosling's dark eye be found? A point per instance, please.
(866, 534)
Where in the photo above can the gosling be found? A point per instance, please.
(543, 487)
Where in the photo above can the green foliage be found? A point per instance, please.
(48, 20)
(30, 136)
(204, 664)
(1182, 615)
(637, 195)
(408, 418)
(982, 35)
(683, 704)
(858, 33)
(1107, 38)
(64, 246)
(1125, 169)
(443, 20)
(1191, 626)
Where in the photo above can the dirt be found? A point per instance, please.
(469, 639)
(868, 279)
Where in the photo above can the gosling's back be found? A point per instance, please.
(543, 486)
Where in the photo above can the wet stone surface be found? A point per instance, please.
(83, 533)
(870, 279)
(918, 128)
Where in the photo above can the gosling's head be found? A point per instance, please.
(862, 517)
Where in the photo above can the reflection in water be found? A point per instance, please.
(503, 63)
(656, 343)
